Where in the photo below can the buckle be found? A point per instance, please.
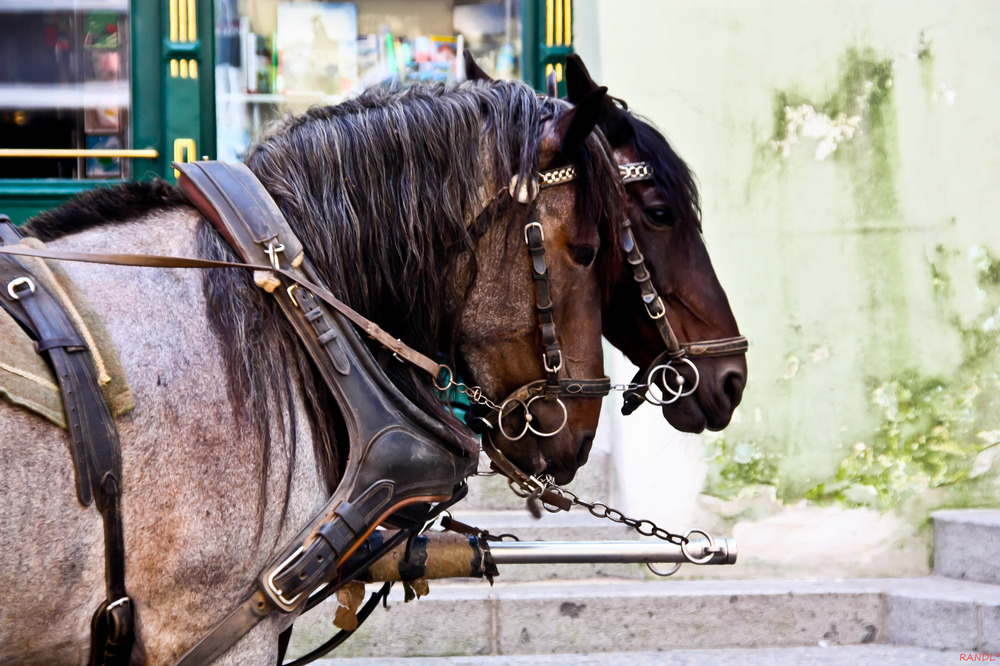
(276, 596)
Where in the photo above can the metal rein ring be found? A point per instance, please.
(679, 392)
(527, 418)
(562, 425)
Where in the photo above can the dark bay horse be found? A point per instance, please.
(682, 304)
(405, 205)
(665, 216)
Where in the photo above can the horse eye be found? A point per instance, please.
(583, 254)
(660, 216)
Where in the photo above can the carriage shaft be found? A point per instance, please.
(447, 555)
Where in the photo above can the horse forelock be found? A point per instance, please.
(672, 175)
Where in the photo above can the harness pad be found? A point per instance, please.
(25, 377)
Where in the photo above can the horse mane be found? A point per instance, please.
(122, 202)
(388, 191)
(672, 175)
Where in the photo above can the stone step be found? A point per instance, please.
(851, 655)
(966, 543)
(575, 525)
(597, 616)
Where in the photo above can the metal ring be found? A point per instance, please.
(527, 418)
(649, 397)
(705, 559)
(664, 574)
(697, 377)
(553, 509)
(17, 282)
(441, 369)
(562, 425)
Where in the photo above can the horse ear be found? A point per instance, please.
(473, 72)
(552, 84)
(576, 125)
(612, 119)
(578, 81)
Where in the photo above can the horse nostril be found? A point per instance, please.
(733, 384)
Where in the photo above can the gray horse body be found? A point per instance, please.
(189, 464)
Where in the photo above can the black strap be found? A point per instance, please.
(380, 595)
(94, 437)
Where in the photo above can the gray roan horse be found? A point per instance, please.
(404, 206)
(669, 314)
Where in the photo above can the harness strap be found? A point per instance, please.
(383, 425)
(95, 448)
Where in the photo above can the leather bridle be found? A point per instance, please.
(676, 352)
(490, 416)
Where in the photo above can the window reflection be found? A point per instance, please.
(64, 85)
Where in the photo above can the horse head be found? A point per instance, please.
(478, 225)
(551, 331)
(664, 215)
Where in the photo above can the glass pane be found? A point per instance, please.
(281, 56)
(64, 86)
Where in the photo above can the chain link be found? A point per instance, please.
(644, 526)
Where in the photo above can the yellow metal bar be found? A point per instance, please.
(192, 21)
(548, 23)
(193, 69)
(558, 71)
(143, 153)
(568, 20)
(174, 68)
(173, 20)
(182, 20)
(548, 70)
(559, 22)
(184, 69)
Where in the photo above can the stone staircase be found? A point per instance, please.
(618, 610)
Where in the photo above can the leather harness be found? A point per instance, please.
(384, 426)
(95, 448)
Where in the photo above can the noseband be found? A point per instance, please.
(552, 388)
(676, 352)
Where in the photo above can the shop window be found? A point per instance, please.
(64, 89)
(281, 56)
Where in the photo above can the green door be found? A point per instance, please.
(97, 91)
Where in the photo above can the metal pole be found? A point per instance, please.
(620, 552)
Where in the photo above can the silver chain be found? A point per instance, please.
(644, 526)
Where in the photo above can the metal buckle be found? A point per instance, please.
(17, 282)
(541, 231)
(275, 595)
(273, 250)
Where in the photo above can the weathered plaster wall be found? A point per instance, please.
(847, 152)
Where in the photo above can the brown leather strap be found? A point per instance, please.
(161, 261)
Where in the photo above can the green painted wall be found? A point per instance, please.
(847, 152)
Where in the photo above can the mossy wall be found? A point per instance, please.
(848, 153)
